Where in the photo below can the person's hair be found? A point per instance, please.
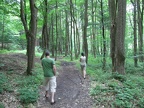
(47, 53)
(82, 54)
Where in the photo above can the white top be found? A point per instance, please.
(83, 60)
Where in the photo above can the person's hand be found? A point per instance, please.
(57, 73)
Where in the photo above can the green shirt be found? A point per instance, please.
(47, 64)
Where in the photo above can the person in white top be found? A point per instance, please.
(83, 64)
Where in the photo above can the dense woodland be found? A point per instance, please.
(108, 30)
(96, 27)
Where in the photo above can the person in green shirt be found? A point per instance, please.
(49, 70)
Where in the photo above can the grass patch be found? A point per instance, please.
(12, 51)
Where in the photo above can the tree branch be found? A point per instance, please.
(22, 16)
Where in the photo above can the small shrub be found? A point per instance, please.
(95, 91)
(122, 104)
(119, 77)
(28, 95)
(3, 82)
(114, 83)
(29, 86)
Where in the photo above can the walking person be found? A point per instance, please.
(49, 69)
(83, 64)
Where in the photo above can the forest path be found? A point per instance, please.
(72, 89)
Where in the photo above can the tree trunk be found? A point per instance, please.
(76, 35)
(67, 34)
(3, 29)
(85, 30)
(103, 34)
(140, 28)
(93, 31)
(30, 33)
(45, 35)
(71, 31)
(135, 33)
(52, 36)
(120, 37)
(112, 10)
(56, 31)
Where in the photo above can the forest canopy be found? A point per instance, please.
(69, 27)
(109, 33)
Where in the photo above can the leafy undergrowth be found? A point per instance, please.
(15, 83)
(28, 86)
(107, 89)
(113, 90)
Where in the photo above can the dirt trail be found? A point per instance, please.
(72, 89)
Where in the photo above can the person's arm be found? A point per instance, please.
(54, 69)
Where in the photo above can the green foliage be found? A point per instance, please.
(95, 91)
(113, 83)
(125, 97)
(119, 77)
(28, 86)
(4, 85)
(3, 51)
(141, 103)
(12, 51)
(131, 69)
(115, 90)
(1, 105)
(28, 95)
(3, 82)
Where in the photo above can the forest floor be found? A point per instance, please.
(72, 89)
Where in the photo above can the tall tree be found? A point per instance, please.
(113, 11)
(67, 34)
(135, 31)
(93, 29)
(140, 10)
(120, 37)
(3, 16)
(52, 35)
(30, 31)
(71, 30)
(103, 34)
(3, 29)
(85, 44)
(56, 11)
(45, 35)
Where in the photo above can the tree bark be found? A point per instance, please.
(52, 35)
(56, 47)
(93, 31)
(71, 31)
(103, 34)
(30, 32)
(140, 28)
(45, 35)
(85, 30)
(135, 32)
(3, 29)
(67, 34)
(120, 37)
(113, 10)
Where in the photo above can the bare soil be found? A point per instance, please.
(13, 66)
(72, 89)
